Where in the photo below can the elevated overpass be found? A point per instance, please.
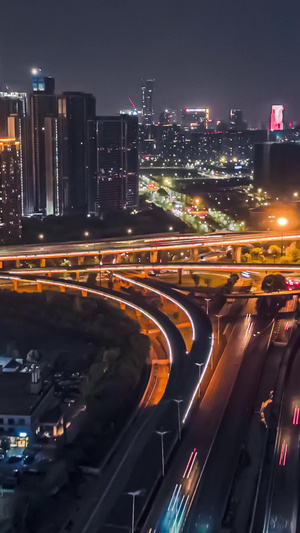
(114, 250)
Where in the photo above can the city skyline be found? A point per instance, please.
(217, 56)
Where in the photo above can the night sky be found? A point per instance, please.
(215, 53)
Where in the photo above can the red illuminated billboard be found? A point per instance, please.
(276, 119)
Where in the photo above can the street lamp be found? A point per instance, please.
(207, 302)
(178, 413)
(170, 228)
(218, 317)
(101, 263)
(41, 236)
(162, 434)
(199, 365)
(134, 494)
(86, 233)
(129, 231)
(282, 221)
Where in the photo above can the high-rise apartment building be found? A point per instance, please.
(43, 104)
(195, 118)
(147, 102)
(113, 163)
(10, 191)
(15, 123)
(168, 117)
(75, 109)
(236, 120)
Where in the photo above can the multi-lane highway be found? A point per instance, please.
(283, 502)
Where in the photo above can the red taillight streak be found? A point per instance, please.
(189, 462)
(285, 452)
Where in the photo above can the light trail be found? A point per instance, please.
(163, 243)
(163, 294)
(97, 292)
(199, 382)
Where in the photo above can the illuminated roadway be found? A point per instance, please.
(140, 244)
(282, 508)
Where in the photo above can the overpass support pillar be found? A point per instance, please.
(15, 284)
(153, 256)
(42, 263)
(122, 306)
(18, 263)
(77, 275)
(39, 287)
(179, 276)
(118, 259)
(1, 264)
(62, 289)
(194, 255)
(84, 293)
(80, 260)
(237, 254)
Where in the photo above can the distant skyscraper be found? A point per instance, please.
(10, 191)
(76, 109)
(147, 102)
(43, 104)
(236, 121)
(113, 163)
(43, 84)
(168, 117)
(15, 123)
(276, 118)
(195, 118)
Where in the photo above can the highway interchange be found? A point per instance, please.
(221, 443)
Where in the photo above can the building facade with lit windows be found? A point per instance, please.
(113, 163)
(23, 401)
(10, 194)
(15, 123)
(195, 118)
(43, 104)
(147, 102)
(75, 110)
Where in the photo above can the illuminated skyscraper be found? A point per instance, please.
(195, 118)
(276, 118)
(75, 109)
(43, 104)
(113, 163)
(168, 117)
(147, 102)
(10, 191)
(15, 123)
(236, 121)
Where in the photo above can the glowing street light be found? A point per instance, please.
(282, 221)
(170, 228)
(86, 233)
(129, 231)
(41, 236)
(296, 194)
